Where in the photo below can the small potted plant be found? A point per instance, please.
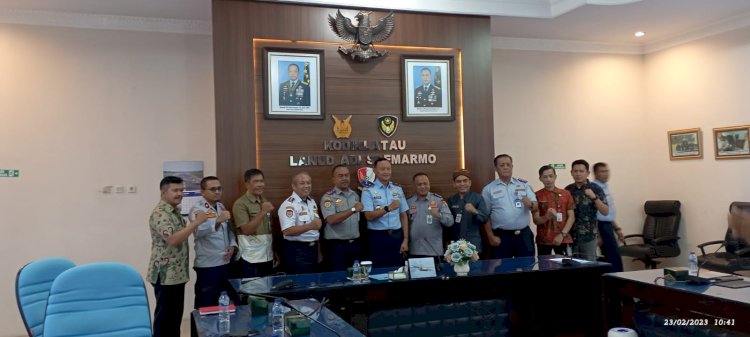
(459, 254)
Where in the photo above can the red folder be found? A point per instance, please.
(214, 309)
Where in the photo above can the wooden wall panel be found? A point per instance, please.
(364, 90)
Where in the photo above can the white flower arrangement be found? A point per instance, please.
(460, 252)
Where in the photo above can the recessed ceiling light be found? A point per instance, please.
(640, 34)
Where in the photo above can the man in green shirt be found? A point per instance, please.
(252, 221)
(168, 266)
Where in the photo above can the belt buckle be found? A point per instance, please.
(390, 232)
(350, 241)
(312, 243)
(518, 231)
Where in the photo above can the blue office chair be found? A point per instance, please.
(33, 282)
(103, 299)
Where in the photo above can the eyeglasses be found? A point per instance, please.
(215, 189)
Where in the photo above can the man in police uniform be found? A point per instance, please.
(341, 207)
(214, 247)
(428, 214)
(510, 201)
(385, 209)
(300, 224)
(427, 94)
(294, 92)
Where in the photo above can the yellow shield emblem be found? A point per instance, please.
(342, 128)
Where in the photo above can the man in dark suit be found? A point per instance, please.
(294, 92)
(427, 94)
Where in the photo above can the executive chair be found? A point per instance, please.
(659, 235)
(736, 254)
(100, 299)
(33, 282)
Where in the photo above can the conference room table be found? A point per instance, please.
(545, 297)
(243, 321)
(707, 306)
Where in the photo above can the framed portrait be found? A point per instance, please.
(732, 142)
(685, 144)
(293, 83)
(427, 87)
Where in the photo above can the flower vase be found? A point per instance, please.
(461, 269)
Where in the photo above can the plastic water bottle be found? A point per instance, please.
(693, 264)
(277, 319)
(356, 271)
(224, 312)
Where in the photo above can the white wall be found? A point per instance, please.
(557, 107)
(553, 107)
(702, 84)
(82, 108)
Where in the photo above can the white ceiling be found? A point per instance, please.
(580, 21)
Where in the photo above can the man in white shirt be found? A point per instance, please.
(300, 224)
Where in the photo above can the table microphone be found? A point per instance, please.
(286, 303)
(697, 279)
(286, 284)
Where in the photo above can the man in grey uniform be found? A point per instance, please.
(428, 214)
(340, 207)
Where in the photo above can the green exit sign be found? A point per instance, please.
(9, 173)
(558, 166)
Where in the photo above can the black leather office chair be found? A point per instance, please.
(659, 233)
(736, 254)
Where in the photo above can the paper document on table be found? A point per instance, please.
(379, 277)
(560, 260)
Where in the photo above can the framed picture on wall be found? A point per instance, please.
(293, 83)
(427, 87)
(685, 144)
(732, 142)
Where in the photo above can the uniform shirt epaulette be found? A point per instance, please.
(290, 199)
(395, 184)
(411, 196)
(330, 193)
(522, 180)
(437, 195)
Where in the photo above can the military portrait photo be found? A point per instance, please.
(293, 84)
(427, 94)
(427, 88)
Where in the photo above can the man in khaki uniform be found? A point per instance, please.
(252, 221)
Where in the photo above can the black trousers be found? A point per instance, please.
(246, 269)
(610, 249)
(170, 301)
(559, 250)
(512, 244)
(300, 257)
(209, 283)
(342, 253)
(385, 246)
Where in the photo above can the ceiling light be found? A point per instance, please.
(640, 34)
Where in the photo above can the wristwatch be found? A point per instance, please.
(354, 210)
(386, 209)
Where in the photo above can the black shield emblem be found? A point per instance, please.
(387, 125)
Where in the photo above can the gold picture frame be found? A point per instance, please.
(685, 144)
(732, 142)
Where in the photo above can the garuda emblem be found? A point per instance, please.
(363, 35)
(387, 125)
(342, 128)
